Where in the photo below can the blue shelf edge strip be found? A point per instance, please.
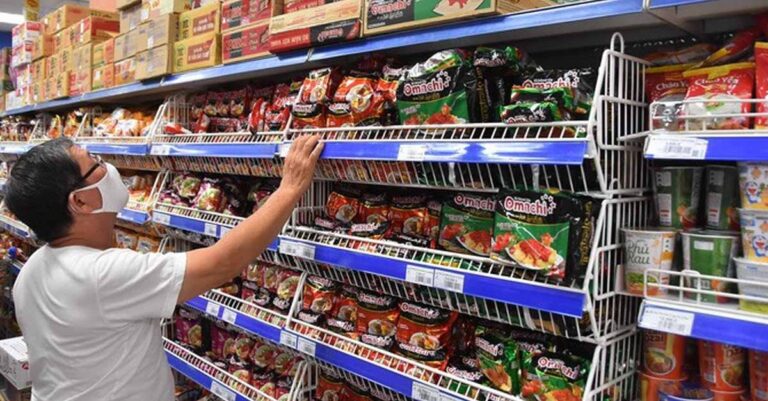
(734, 148)
(242, 320)
(242, 150)
(133, 216)
(522, 152)
(541, 297)
(198, 226)
(132, 149)
(199, 377)
(15, 268)
(723, 329)
(15, 231)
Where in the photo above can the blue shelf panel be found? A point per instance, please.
(707, 324)
(130, 149)
(133, 216)
(733, 147)
(244, 150)
(202, 378)
(654, 4)
(241, 320)
(16, 267)
(14, 148)
(198, 226)
(517, 152)
(538, 296)
(18, 232)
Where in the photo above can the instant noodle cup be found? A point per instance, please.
(720, 395)
(722, 203)
(687, 393)
(645, 250)
(758, 375)
(752, 272)
(677, 191)
(663, 354)
(650, 386)
(754, 234)
(722, 367)
(710, 253)
(753, 185)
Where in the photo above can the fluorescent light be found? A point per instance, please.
(8, 18)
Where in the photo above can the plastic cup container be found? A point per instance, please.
(756, 272)
(722, 202)
(650, 386)
(753, 185)
(677, 191)
(710, 253)
(721, 395)
(754, 234)
(722, 368)
(663, 354)
(647, 249)
(758, 375)
(688, 393)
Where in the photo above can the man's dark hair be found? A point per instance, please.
(37, 191)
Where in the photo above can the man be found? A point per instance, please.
(90, 314)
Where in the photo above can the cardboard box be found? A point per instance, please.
(82, 57)
(123, 4)
(43, 47)
(104, 5)
(392, 15)
(130, 18)
(66, 59)
(160, 7)
(26, 32)
(24, 76)
(126, 45)
(200, 21)
(325, 24)
(103, 77)
(298, 5)
(39, 71)
(94, 29)
(80, 82)
(14, 362)
(245, 43)
(52, 65)
(68, 14)
(38, 91)
(22, 54)
(125, 71)
(238, 13)
(158, 31)
(154, 62)
(197, 52)
(103, 53)
(63, 38)
(58, 86)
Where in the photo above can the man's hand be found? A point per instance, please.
(212, 266)
(300, 164)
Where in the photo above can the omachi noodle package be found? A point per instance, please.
(376, 318)
(466, 224)
(498, 358)
(424, 332)
(761, 83)
(666, 84)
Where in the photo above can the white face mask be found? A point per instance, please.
(114, 194)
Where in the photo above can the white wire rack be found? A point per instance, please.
(606, 314)
(225, 165)
(379, 392)
(146, 205)
(151, 163)
(260, 313)
(696, 117)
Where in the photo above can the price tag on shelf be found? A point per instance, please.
(422, 392)
(160, 150)
(229, 316)
(449, 281)
(212, 309)
(161, 218)
(668, 321)
(283, 149)
(298, 249)
(411, 152)
(224, 230)
(288, 339)
(419, 275)
(446, 397)
(676, 147)
(222, 392)
(210, 230)
(306, 346)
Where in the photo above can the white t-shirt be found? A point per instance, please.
(91, 321)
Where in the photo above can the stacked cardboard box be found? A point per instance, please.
(155, 41)
(199, 44)
(298, 24)
(245, 26)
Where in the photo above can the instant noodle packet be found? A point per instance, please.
(554, 376)
(498, 358)
(376, 318)
(423, 333)
(761, 83)
(466, 224)
(712, 84)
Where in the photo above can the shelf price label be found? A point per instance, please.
(229, 316)
(212, 309)
(160, 150)
(210, 230)
(422, 392)
(306, 346)
(449, 281)
(419, 275)
(298, 249)
(666, 320)
(412, 152)
(288, 339)
(224, 230)
(222, 392)
(161, 218)
(283, 149)
(676, 147)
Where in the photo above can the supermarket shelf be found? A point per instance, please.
(134, 216)
(15, 227)
(16, 266)
(194, 373)
(714, 147)
(588, 16)
(726, 326)
(14, 147)
(548, 298)
(215, 305)
(132, 149)
(244, 150)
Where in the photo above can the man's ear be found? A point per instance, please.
(78, 204)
